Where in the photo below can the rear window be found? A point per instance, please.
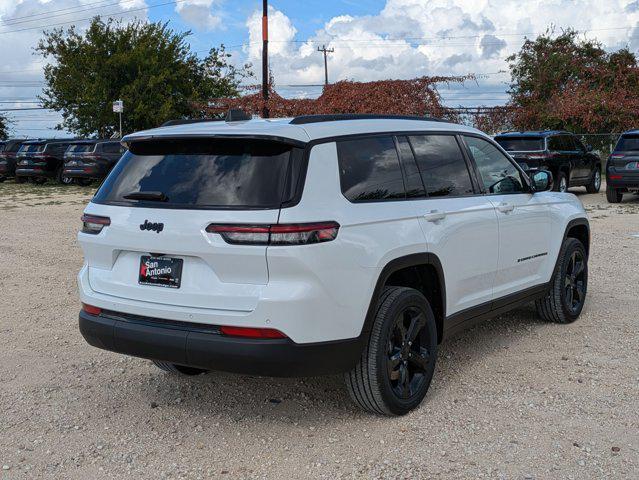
(521, 144)
(112, 147)
(206, 174)
(81, 148)
(369, 170)
(32, 148)
(627, 143)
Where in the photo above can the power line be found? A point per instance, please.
(121, 12)
(73, 10)
(50, 11)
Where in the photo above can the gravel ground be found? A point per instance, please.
(513, 398)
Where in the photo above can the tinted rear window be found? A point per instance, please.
(369, 169)
(32, 148)
(81, 148)
(112, 147)
(521, 144)
(627, 143)
(208, 173)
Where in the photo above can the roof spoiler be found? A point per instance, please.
(233, 115)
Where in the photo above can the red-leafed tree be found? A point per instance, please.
(400, 97)
(573, 84)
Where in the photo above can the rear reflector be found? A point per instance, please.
(281, 234)
(91, 310)
(94, 224)
(615, 177)
(247, 332)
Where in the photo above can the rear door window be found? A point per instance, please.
(442, 165)
(413, 179)
(369, 169)
(203, 174)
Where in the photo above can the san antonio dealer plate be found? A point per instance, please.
(160, 271)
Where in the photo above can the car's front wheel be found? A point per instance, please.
(567, 294)
(62, 178)
(398, 361)
(561, 183)
(595, 182)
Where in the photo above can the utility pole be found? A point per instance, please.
(265, 58)
(325, 50)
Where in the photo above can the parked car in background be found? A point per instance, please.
(88, 160)
(8, 150)
(622, 169)
(39, 160)
(562, 153)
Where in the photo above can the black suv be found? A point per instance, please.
(622, 169)
(8, 150)
(42, 159)
(88, 160)
(562, 153)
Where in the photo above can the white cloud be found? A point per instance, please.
(409, 38)
(198, 13)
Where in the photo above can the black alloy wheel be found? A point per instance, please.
(408, 353)
(575, 282)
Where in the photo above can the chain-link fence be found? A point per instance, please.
(602, 143)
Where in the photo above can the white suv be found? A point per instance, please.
(321, 244)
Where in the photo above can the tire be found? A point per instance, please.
(62, 179)
(595, 183)
(393, 375)
(561, 305)
(561, 183)
(613, 195)
(178, 369)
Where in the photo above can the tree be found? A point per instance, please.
(573, 84)
(418, 96)
(4, 127)
(147, 65)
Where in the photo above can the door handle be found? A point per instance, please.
(435, 216)
(505, 207)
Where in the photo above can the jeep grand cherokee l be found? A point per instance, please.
(321, 244)
(88, 160)
(571, 163)
(39, 160)
(622, 169)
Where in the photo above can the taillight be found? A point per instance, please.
(615, 177)
(281, 234)
(248, 332)
(91, 310)
(94, 224)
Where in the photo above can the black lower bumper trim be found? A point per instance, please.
(196, 347)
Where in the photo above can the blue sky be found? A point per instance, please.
(372, 40)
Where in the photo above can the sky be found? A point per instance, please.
(372, 40)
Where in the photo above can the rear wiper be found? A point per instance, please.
(152, 196)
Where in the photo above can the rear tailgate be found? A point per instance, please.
(214, 274)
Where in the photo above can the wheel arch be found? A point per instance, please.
(579, 228)
(422, 271)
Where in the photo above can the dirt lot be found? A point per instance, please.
(513, 398)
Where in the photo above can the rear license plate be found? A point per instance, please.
(160, 271)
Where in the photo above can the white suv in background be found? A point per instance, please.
(321, 244)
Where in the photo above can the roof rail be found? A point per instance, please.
(184, 121)
(305, 119)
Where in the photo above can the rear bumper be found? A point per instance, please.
(84, 172)
(204, 347)
(34, 172)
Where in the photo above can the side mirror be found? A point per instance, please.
(589, 148)
(541, 181)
